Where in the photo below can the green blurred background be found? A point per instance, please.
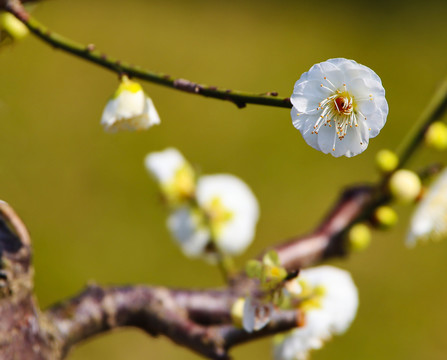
(94, 214)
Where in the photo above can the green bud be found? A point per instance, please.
(359, 237)
(386, 160)
(271, 258)
(386, 217)
(253, 268)
(12, 26)
(436, 136)
(274, 274)
(405, 186)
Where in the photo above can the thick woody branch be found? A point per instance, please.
(157, 311)
(201, 320)
(328, 238)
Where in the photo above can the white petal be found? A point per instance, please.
(338, 309)
(109, 113)
(353, 69)
(163, 165)
(188, 232)
(326, 137)
(363, 87)
(375, 122)
(236, 233)
(152, 113)
(429, 221)
(306, 95)
(305, 124)
(329, 70)
(130, 104)
(256, 315)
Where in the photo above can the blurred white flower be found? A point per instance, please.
(216, 211)
(232, 211)
(338, 105)
(256, 314)
(226, 212)
(174, 174)
(429, 222)
(188, 228)
(129, 109)
(331, 312)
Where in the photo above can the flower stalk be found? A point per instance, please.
(89, 53)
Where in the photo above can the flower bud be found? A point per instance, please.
(129, 109)
(386, 160)
(436, 136)
(385, 217)
(12, 26)
(359, 237)
(237, 312)
(405, 186)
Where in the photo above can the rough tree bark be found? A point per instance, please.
(197, 319)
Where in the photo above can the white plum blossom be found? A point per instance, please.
(429, 222)
(225, 213)
(129, 109)
(231, 209)
(338, 105)
(173, 173)
(330, 312)
(209, 213)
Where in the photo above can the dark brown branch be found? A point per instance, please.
(328, 238)
(197, 319)
(22, 334)
(157, 311)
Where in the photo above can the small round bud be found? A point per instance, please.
(359, 237)
(237, 312)
(386, 160)
(14, 27)
(436, 136)
(405, 186)
(385, 217)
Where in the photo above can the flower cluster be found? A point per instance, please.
(212, 212)
(257, 311)
(329, 299)
(338, 105)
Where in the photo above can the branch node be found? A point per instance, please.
(188, 86)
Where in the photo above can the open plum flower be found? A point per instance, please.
(232, 211)
(338, 105)
(226, 213)
(330, 306)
